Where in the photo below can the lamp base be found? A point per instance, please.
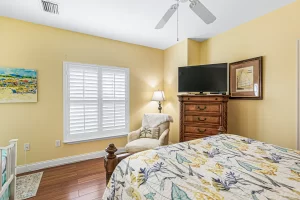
(159, 107)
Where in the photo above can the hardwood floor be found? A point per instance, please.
(78, 181)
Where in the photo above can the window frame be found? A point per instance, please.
(100, 135)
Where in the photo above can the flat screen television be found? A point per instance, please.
(203, 78)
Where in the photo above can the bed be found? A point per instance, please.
(8, 172)
(217, 167)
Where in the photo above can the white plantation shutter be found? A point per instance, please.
(95, 102)
(84, 100)
(114, 100)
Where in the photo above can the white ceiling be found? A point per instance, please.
(133, 21)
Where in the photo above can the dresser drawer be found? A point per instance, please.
(204, 119)
(200, 130)
(203, 107)
(218, 98)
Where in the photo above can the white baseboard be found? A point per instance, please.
(62, 161)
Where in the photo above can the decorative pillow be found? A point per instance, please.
(147, 132)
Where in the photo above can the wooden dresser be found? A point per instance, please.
(202, 115)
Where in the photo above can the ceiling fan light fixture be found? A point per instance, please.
(196, 6)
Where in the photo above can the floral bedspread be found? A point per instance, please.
(218, 167)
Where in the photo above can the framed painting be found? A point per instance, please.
(18, 85)
(245, 79)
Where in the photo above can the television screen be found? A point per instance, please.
(203, 78)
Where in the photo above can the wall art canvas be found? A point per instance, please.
(245, 79)
(18, 85)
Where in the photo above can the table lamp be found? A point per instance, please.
(158, 96)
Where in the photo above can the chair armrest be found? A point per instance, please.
(134, 135)
(164, 138)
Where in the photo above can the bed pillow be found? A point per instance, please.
(147, 132)
(3, 157)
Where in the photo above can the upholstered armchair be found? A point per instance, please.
(160, 121)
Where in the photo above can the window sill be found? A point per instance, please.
(76, 141)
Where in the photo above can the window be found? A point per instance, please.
(96, 102)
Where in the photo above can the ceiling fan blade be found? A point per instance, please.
(167, 16)
(202, 12)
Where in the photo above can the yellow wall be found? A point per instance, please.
(26, 45)
(174, 57)
(180, 55)
(194, 48)
(43, 48)
(273, 36)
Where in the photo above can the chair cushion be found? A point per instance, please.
(141, 144)
(147, 132)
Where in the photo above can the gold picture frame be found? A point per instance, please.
(245, 79)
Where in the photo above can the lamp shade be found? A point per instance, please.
(158, 96)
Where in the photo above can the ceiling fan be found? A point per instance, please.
(195, 5)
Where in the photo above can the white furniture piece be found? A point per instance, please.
(152, 120)
(8, 164)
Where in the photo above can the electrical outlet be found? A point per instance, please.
(57, 143)
(26, 147)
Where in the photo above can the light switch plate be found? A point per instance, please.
(57, 143)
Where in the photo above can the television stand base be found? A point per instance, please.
(197, 93)
(206, 93)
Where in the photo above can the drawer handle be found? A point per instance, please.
(204, 119)
(201, 131)
(204, 108)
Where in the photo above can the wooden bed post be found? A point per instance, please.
(110, 161)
